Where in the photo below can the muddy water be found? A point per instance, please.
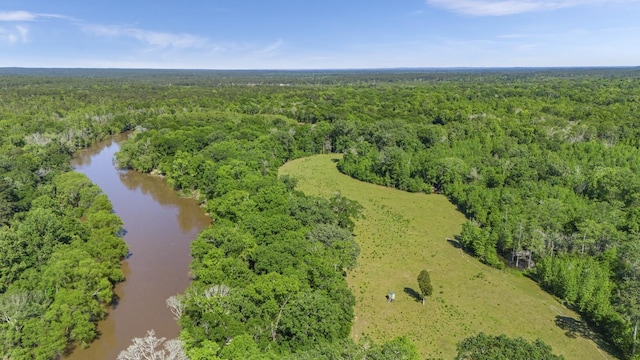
(159, 229)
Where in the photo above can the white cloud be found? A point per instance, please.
(514, 36)
(14, 35)
(23, 16)
(17, 16)
(23, 31)
(508, 7)
(271, 49)
(151, 38)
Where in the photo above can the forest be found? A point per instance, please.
(544, 163)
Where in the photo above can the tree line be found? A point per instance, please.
(59, 239)
(547, 171)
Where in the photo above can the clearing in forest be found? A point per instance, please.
(401, 234)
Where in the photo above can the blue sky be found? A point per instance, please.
(328, 34)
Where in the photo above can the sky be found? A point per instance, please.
(327, 34)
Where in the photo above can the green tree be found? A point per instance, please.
(400, 348)
(628, 292)
(424, 282)
(501, 347)
(629, 299)
(241, 347)
(271, 295)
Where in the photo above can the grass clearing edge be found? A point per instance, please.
(402, 233)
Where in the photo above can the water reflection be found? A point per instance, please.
(188, 217)
(84, 156)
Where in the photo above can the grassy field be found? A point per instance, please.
(403, 233)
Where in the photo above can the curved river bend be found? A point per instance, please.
(159, 229)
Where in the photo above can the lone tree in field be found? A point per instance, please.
(424, 282)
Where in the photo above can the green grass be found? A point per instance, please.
(402, 233)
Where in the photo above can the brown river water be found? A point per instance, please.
(159, 229)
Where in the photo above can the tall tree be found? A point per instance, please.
(424, 282)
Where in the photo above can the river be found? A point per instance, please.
(159, 227)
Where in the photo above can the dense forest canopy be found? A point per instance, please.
(545, 163)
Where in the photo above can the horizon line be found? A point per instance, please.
(332, 69)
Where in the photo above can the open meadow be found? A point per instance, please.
(402, 233)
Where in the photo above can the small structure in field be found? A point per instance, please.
(525, 255)
(391, 297)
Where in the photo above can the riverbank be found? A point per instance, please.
(159, 227)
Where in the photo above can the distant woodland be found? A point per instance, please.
(544, 163)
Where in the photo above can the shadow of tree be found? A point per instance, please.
(575, 328)
(414, 294)
(455, 243)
